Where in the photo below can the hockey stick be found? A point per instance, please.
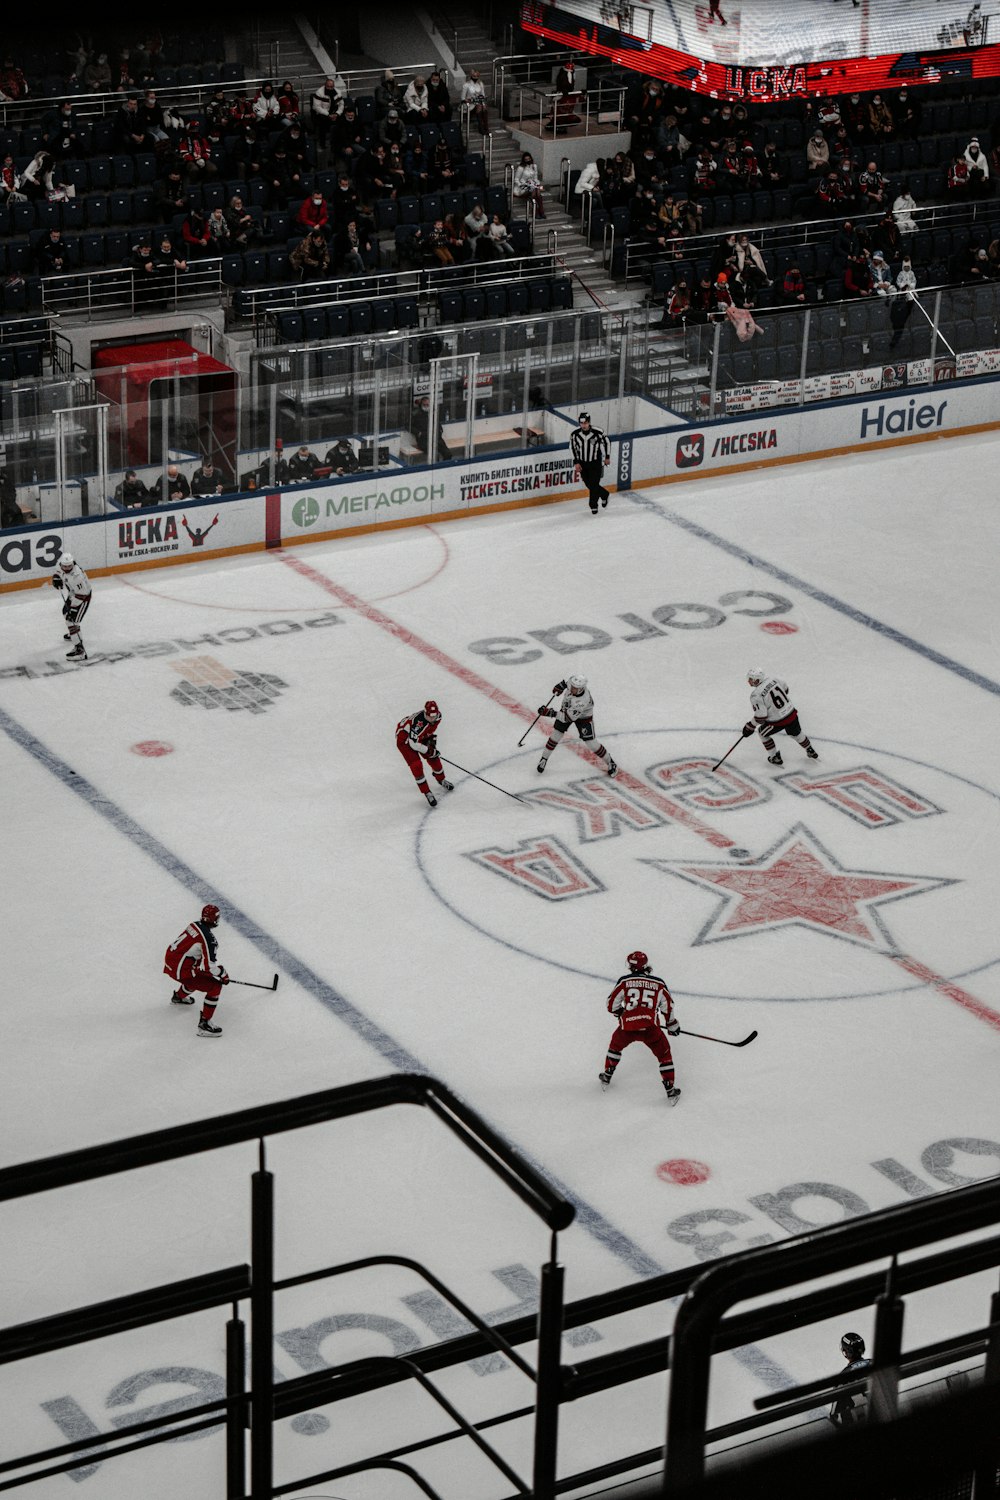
(493, 784)
(533, 723)
(704, 1038)
(251, 986)
(728, 753)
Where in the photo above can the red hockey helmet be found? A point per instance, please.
(637, 961)
(431, 712)
(211, 914)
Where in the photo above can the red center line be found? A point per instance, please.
(666, 805)
(672, 809)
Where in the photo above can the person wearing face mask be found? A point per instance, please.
(880, 121)
(902, 305)
(979, 169)
(314, 212)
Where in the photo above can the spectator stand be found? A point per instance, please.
(97, 294)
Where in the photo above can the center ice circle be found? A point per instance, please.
(630, 895)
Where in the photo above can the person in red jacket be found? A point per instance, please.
(314, 213)
(192, 962)
(645, 1011)
(416, 740)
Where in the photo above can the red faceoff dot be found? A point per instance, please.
(683, 1171)
(152, 747)
(779, 627)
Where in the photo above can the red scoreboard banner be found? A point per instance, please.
(846, 75)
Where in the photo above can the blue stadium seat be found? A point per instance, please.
(407, 312)
(475, 167)
(360, 317)
(409, 209)
(539, 295)
(27, 361)
(97, 210)
(383, 314)
(72, 213)
(254, 268)
(277, 265)
(313, 323)
(561, 293)
(123, 171)
(452, 203)
(473, 304)
(100, 173)
(92, 249)
(496, 302)
(120, 208)
(518, 300)
(290, 328)
(145, 167)
(450, 306)
(767, 364)
(232, 270)
(337, 323)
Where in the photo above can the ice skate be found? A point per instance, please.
(673, 1095)
(431, 799)
(77, 653)
(593, 510)
(604, 502)
(447, 786)
(604, 1079)
(775, 759)
(612, 767)
(812, 754)
(208, 1028)
(67, 636)
(542, 764)
(179, 998)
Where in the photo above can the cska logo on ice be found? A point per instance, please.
(789, 863)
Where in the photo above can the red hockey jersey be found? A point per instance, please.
(640, 1001)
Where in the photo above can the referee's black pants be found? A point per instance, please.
(592, 476)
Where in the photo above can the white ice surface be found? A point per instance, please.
(408, 952)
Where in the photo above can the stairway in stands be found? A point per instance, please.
(476, 50)
(282, 50)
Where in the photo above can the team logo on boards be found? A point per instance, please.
(789, 865)
(209, 683)
(305, 511)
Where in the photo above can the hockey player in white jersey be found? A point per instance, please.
(772, 714)
(70, 579)
(577, 707)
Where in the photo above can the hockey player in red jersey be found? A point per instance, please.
(416, 741)
(645, 1010)
(192, 962)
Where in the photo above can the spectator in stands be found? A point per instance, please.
(872, 187)
(668, 141)
(314, 212)
(848, 1411)
(13, 83)
(280, 179)
(829, 194)
(880, 122)
(903, 208)
(248, 152)
(266, 109)
(151, 118)
(958, 178)
(388, 95)
(438, 102)
(435, 245)
(706, 173)
(902, 305)
(391, 130)
(474, 95)
(288, 102)
(817, 153)
(372, 174)
(750, 265)
(122, 73)
(979, 169)
(691, 214)
(528, 184)
(36, 180)
(773, 174)
(828, 113)
(62, 133)
(849, 193)
(418, 168)
(477, 229)
(854, 116)
(723, 256)
(172, 199)
(295, 143)
(420, 426)
(130, 133)
(144, 269)
(858, 276)
(845, 243)
(993, 256)
(50, 253)
(131, 492)
(702, 301)
(395, 171)
(748, 171)
(9, 180)
(195, 235)
(722, 293)
(648, 169)
(302, 465)
(354, 247)
(343, 201)
(310, 258)
(173, 485)
(219, 242)
(977, 264)
(501, 240)
(222, 159)
(646, 118)
(887, 238)
(729, 167)
(444, 173)
(793, 285)
(216, 111)
(906, 112)
(416, 101)
(242, 226)
(349, 137)
(195, 154)
(457, 238)
(206, 480)
(882, 282)
(167, 258)
(676, 307)
(96, 75)
(324, 104)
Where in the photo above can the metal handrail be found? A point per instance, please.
(511, 62)
(607, 257)
(119, 289)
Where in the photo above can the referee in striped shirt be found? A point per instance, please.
(591, 456)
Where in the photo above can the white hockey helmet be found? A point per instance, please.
(67, 561)
(577, 685)
(755, 676)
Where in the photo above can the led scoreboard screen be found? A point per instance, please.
(633, 36)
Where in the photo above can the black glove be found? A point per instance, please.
(67, 606)
(56, 580)
(432, 745)
(748, 728)
(560, 687)
(545, 712)
(673, 1028)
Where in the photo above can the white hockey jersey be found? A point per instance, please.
(76, 584)
(575, 707)
(770, 701)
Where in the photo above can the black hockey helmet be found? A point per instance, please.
(852, 1346)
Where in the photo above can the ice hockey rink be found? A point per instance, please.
(844, 909)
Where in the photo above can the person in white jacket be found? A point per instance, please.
(903, 209)
(902, 305)
(474, 95)
(528, 184)
(979, 168)
(416, 99)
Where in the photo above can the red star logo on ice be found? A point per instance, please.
(799, 883)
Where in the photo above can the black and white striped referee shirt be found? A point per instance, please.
(589, 446)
